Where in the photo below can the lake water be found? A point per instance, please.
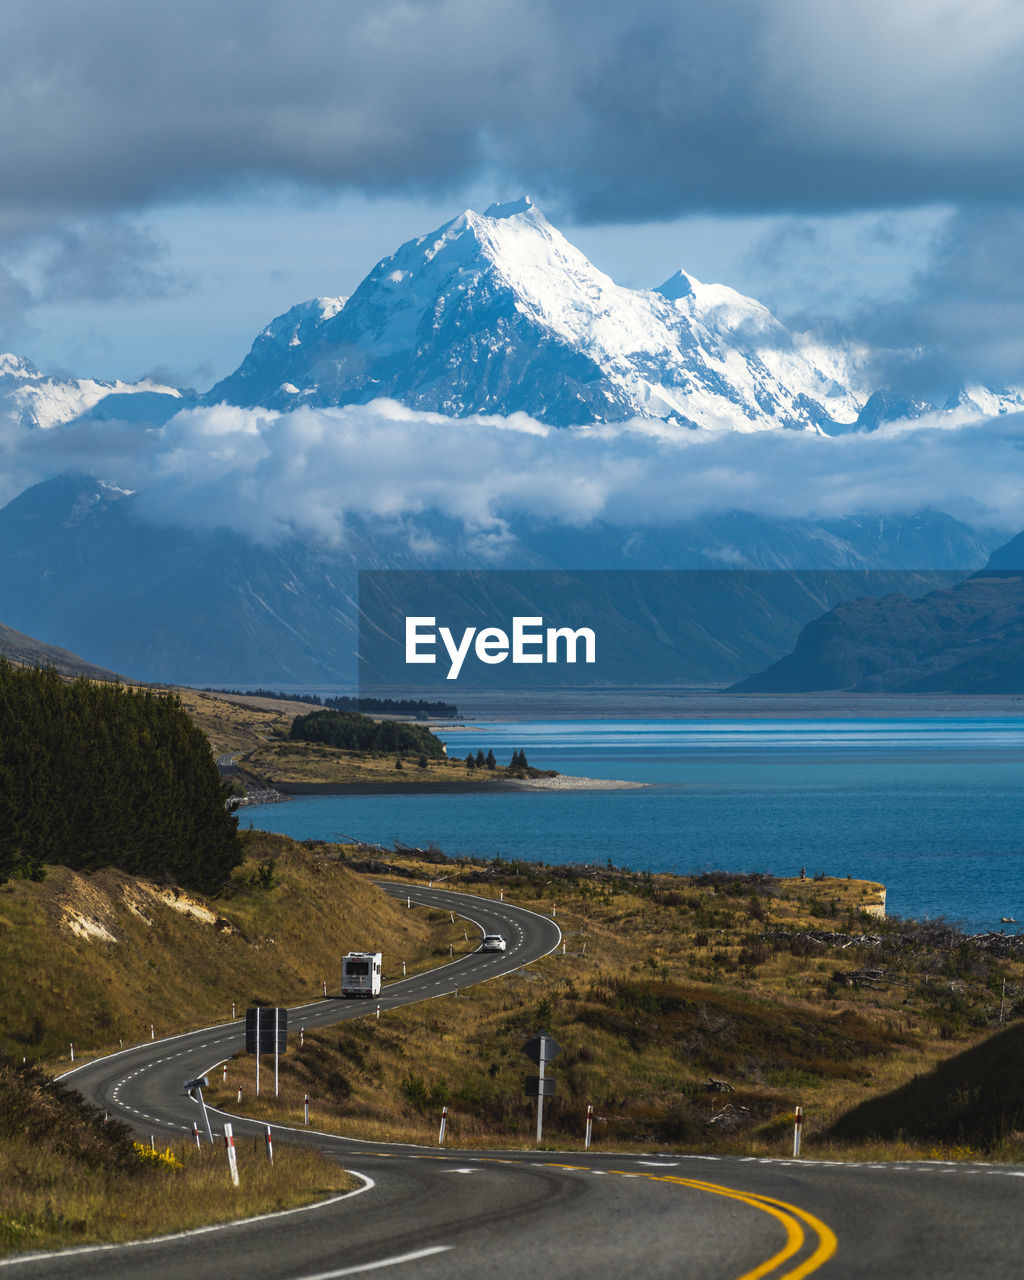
(932, 808)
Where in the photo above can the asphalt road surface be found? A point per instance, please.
(427, 1214)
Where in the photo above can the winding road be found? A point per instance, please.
(430, 1214)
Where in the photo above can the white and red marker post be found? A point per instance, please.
(270, 1145)
(444, 1126)
(798, 1120)
(590, 1127)
(229, 1143)
(306, 1108)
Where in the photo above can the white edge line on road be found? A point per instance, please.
(108, 1057)
(368, 1185)
(383, 1262)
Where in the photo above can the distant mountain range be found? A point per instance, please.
(497, 313)
(966, 638)
(81, 565)
(491, 314)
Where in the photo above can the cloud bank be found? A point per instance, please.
(621, 112)
(310, 472)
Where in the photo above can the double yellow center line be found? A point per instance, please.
(791, 1216)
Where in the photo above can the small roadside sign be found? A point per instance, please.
(542, 1049)
(541, 1046)
(266, 1031)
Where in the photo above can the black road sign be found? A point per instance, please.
(266, 1030)
(535, 1087)
(532, 1048)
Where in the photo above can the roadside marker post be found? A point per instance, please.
(195, 1134)
(403, 969)
(239, 1098)
(224, 1074)
(302, 1036)
(444, 1126)
(229, 1142)
(306, 1109)
(232, 1010)
(270, 1145)
(325, 989)
(798, 1121)
(194, 1089)
(152, 1031)
(590, 1126)
(72, 1053)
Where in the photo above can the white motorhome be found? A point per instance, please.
(360, 973)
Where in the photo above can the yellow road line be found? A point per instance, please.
(786, 1213)
(789, 1215)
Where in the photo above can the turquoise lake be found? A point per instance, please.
(933, 808)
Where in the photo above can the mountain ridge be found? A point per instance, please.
(499, 313)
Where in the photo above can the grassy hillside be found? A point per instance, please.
(93, 960)
(973, 1099)
(67, 1178)
(693, 1012)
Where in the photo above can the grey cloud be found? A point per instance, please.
(962, 317)
(15, 304)
(613, 112)
(108, 261)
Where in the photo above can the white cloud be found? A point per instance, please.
(269, 475)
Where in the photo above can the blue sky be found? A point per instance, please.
(174, 179)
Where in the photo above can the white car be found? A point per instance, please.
(493, 942)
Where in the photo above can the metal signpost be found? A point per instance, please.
(193, 1088)
(266, 1031)
(542, 1050)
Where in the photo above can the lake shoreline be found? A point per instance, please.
(561, 782)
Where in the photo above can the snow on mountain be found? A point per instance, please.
(499, 313)
(274, 353)
(35, 400)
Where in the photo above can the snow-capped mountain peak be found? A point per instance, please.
(497, 312)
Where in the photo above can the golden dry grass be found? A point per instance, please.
(663, 985)
(157, 965)
(50, 1200)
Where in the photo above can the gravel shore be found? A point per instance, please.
(567, 782)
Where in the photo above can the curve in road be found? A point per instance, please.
(437, 1215)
